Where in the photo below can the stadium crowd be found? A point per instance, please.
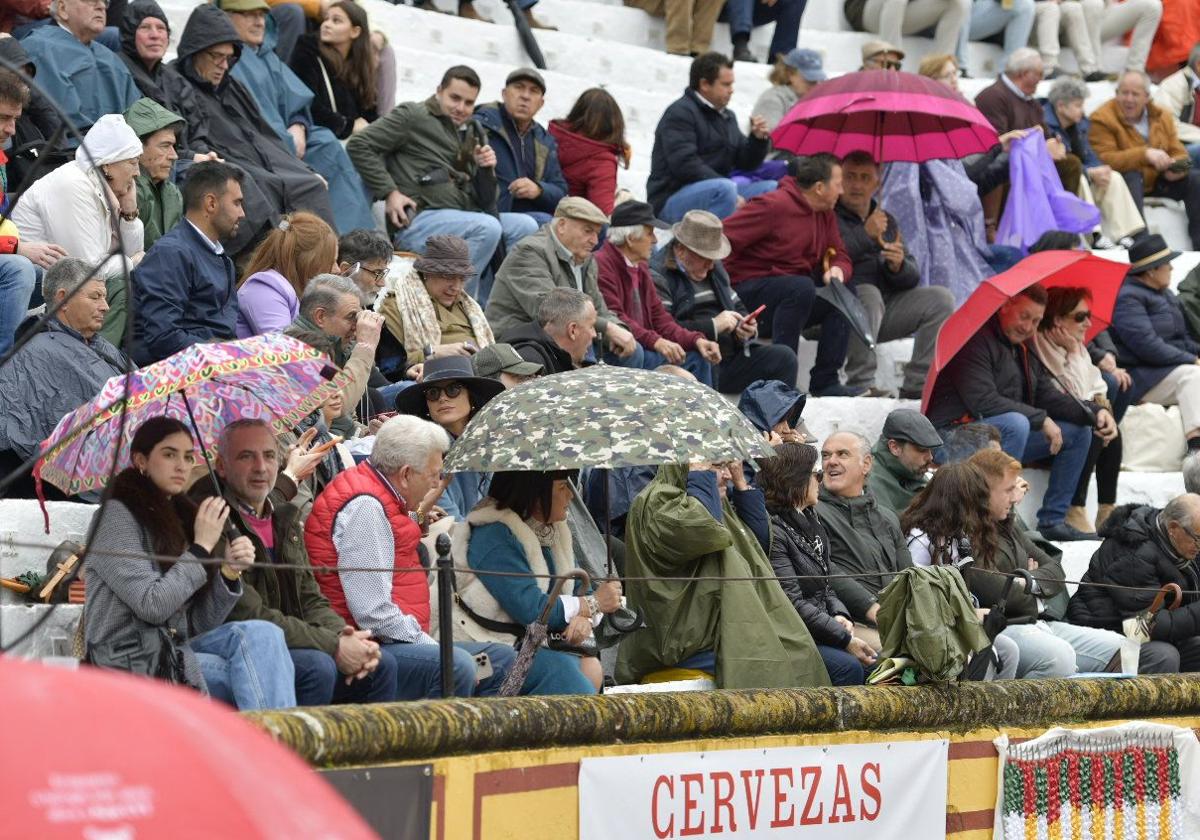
(264, 180)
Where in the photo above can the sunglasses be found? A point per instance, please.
(885, 64)
(1080, 317)
(434, 392)
(818, 474)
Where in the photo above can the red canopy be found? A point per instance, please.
(891, 115)
(93, 753)
(1100, 276)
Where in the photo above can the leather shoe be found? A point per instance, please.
(1062, 532)
(741, 52)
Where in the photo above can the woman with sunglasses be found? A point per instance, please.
(449, 394)
(430, 312)
(800, 556)
(1061, 344)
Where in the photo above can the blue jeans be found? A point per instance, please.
(843, 667)
(1193, 150)
(744, 15)
(716, 195)
(1065, 468)
(17, 279)
(644, 359)
(420, 673)
(388, 393)
(246, 664)
(989, 17)
(319, 683)
(481, 231)
(1059, 649)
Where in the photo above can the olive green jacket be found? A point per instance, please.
(418, 150)
(893, 484)
(759, 639)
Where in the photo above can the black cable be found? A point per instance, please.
(126, 347)
(331, 570)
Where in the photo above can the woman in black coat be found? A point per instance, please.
(800, 557)
(337, 65)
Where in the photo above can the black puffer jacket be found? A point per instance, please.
(1136, 552)
(800, 546)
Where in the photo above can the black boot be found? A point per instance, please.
(741, 48)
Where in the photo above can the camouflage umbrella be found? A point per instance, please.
(604, 416)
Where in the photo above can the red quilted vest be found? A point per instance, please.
(410, 591)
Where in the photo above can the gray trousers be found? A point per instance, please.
(918, 312)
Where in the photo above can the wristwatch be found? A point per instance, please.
(130, 217)
(427, 351)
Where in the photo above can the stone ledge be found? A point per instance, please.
(354, 735)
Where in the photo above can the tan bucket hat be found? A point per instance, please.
(701, 231)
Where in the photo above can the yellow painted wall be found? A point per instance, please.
(532, 795)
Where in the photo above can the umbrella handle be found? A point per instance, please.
(577, 574)
(1161, 595)
(827, 260)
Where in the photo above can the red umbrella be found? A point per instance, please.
(95, 754)
(1049, 268)
(891, 115)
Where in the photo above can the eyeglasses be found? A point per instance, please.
(221, 59)
(434, 392)
(1080, 317)
(818, 474)
(885, 64)
(380, 274)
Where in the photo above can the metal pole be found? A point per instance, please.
(445, 569)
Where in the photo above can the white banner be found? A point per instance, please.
(838, 792)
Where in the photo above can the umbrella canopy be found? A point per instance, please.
(604, 416)
(891, 115)
(1101, 277)
(270, 377)
(102, 754)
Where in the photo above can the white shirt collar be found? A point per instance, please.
(216, 247)
(1011, 86)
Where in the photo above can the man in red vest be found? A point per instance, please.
(362, 520)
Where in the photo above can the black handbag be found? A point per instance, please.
(146, 651)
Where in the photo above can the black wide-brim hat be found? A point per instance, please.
(447, 369)
(1148, 253)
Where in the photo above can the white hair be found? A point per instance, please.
(864, 443)
(407, 440)
(1021, 60)
(1141, 74)
(620, 235)
(1191, 472)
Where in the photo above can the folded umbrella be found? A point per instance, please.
(847, 302)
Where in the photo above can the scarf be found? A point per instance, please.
(1074, 372)
(419, 315)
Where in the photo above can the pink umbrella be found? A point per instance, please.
(891, 115)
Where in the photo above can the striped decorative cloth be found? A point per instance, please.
(1136, 781)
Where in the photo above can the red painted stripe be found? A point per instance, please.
(439, 796)
(520, 780)
(970, 820)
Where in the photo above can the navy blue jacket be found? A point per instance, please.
(183, 293)
(534, 156)
(694, 142)
(1151, 335)
(768, 401)
(1055, 129)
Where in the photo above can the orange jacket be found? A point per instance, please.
(1124, 149)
